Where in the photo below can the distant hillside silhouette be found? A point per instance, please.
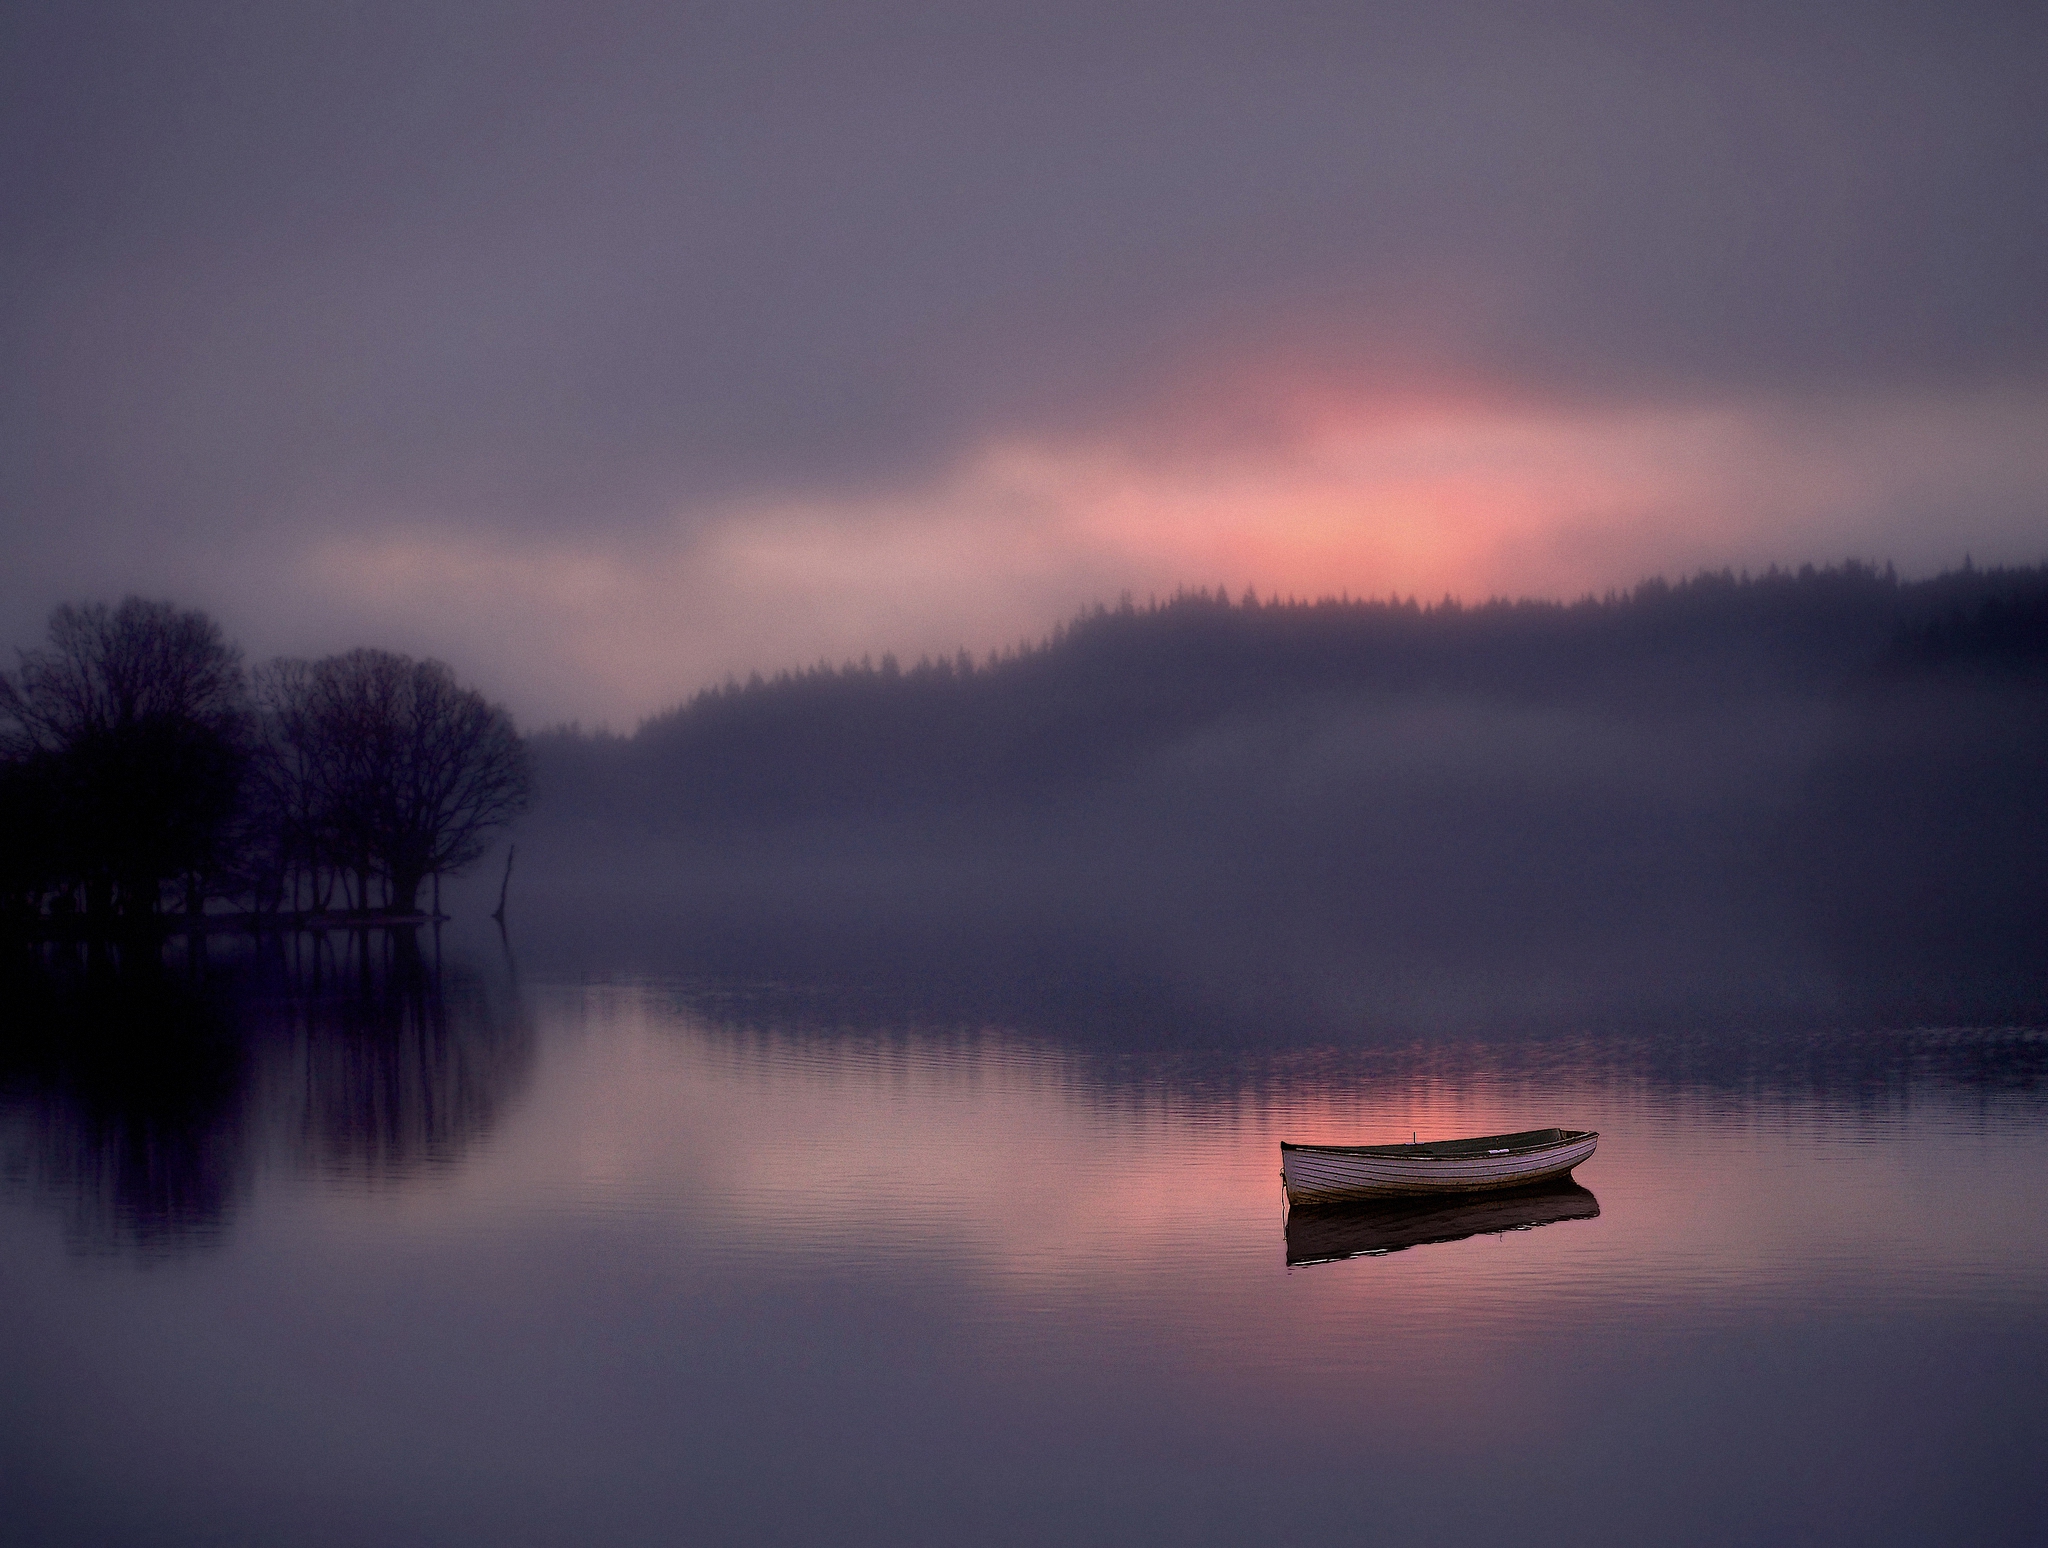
(1119, 682)
(1814, 793)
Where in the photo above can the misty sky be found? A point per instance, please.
(604, 349)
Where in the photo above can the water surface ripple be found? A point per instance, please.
(637, 1262)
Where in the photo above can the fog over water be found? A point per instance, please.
(865, 1126)
(1818, 796)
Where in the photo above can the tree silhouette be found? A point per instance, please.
(379, 766)
(129, 738)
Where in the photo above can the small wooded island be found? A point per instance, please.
(147, 781)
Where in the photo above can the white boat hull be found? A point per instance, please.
(1328, 1174)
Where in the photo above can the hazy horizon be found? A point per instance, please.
(494, 678)
(606, 352)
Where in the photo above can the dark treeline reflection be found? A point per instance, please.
(1141, 1060)
(381, 1062)
(144, 1092)
(121, 1085)
(1820, 792)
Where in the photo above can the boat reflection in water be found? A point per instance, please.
(1329, 1233)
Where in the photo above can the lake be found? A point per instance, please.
(339, 1246)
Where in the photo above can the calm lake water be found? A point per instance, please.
(468, 1256)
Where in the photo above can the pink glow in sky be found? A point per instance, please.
(628, 347)
(1364, 497)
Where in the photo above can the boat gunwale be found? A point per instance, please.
(1439, 1150)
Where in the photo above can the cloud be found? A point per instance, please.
(729, 305)
(1472, 499)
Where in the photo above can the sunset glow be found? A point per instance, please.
(1350, 496)
(714, 717)
(1034, 1177)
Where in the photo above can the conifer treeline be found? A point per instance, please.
(1118, 682)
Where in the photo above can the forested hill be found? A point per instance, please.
(1116, 684)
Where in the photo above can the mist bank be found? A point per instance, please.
(1819, 793)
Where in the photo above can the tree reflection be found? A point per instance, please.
(143, 1091)
(121, 1098)
(383, 1061)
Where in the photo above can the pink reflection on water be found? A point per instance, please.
(1153, 1214)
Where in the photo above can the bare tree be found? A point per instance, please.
(290, 810)
(134, 722)
(386, 767)
(110, 669)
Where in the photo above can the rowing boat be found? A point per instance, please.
(1327, 1233)
(1328, 1174)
